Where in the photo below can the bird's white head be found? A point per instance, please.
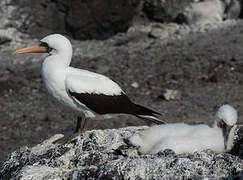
(57, 46)
(226, 119)
(226, 114)
(56, 43)
(52, 44)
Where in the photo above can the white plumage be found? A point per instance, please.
(106, 85)
(184, 138)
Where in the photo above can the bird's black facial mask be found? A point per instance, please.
(46, 46)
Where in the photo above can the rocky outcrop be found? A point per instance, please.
(104, 155)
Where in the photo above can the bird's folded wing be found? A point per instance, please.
(92, 84)
(99, 94)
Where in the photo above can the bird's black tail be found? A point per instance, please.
(148, 114)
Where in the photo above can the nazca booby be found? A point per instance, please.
(184, 138)
(88, 93)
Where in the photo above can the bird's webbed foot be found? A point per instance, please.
(80, 129)
(67, 138)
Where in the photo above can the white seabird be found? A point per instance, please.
(184, 138)
(88, 93)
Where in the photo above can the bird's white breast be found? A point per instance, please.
(54, 82)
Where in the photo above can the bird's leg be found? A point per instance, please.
(80, 128)
(84, 125)
(80, 121)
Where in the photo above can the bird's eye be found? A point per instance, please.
(44, 44)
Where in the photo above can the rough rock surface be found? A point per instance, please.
(104, 155)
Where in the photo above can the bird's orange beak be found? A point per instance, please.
(35, 48)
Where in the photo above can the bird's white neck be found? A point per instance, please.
(230, 142)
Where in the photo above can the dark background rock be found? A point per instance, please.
(92, 19)
(39, 18)
(241, 13)
(100, 18)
